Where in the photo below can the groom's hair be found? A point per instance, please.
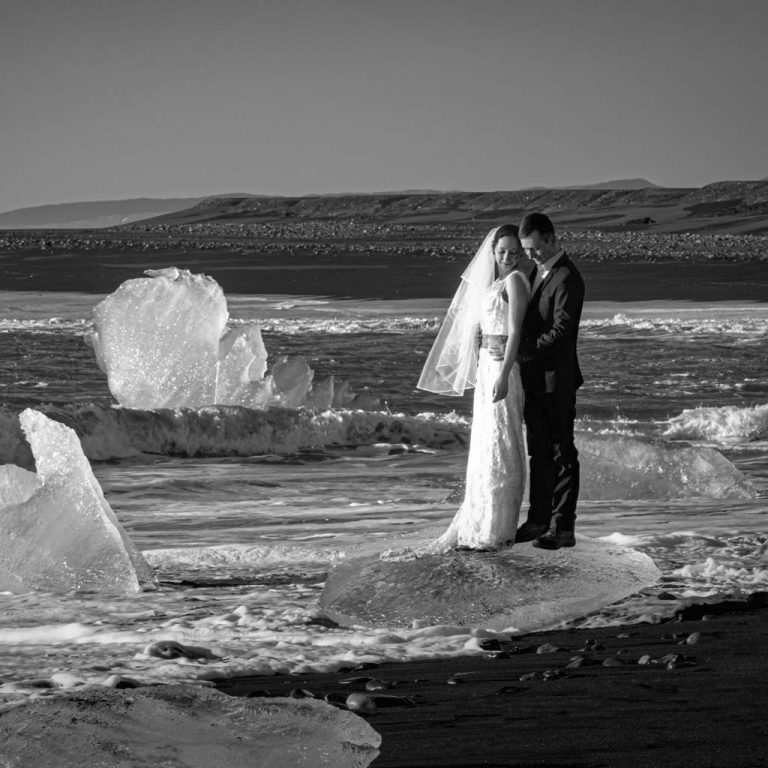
(536, 222)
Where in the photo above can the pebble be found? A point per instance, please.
(360, 702)
(301, 693)
(337, 699)
(454, 681)
(550, 648)
(693, 638)
(170, 649)
(645, 660)
(355, 681)
(666, 596)
(377, 685)
(366, 704)
(613, 661)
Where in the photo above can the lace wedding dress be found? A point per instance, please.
(497, 462)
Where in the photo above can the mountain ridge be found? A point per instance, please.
(620, 202)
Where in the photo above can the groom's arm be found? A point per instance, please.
(567, 304)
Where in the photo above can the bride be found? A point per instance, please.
(493, 297)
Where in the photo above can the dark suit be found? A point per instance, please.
(550, 372)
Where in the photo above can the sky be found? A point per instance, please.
(108, 99)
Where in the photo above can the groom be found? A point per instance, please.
(550, 374)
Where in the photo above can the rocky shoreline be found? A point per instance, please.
(686, 692)
(366, 240)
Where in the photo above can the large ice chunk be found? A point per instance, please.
(157, 339)
(57, 531)
(163, 342)
(616, 467)
(519, 587)
(183, 725)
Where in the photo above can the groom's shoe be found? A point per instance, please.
(529, 531)
(556, 540)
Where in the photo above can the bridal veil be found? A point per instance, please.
(451, 365)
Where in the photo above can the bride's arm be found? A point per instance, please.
(517, 294)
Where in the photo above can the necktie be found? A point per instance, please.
(538, 277)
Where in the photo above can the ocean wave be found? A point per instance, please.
(724, 424)
(344, 325)
(114, 433)
(744, 329)
(724, 325)
(78, 326)
(613, 466)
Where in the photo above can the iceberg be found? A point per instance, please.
(615, 467)
(520, 588)
(182, 725)
(163, 342)
(57, 531)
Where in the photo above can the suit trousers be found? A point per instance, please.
(554, 460)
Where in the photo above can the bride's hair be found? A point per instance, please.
(505, 230)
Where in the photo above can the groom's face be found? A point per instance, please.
(539, 248)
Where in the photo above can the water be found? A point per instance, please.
(242, 514)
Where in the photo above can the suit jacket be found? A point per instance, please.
(548, 360)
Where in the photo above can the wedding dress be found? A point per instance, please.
(497, 462)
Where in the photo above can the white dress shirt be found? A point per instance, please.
(542, 270)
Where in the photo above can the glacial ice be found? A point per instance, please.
(183, 725)
(57, 531)
(17, 485)
(163, 342)
(614, 467)
(519, 587)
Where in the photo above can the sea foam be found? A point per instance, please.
(725, 424)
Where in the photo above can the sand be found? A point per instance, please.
(709, 709)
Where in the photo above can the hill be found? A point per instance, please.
(92, 215)
(619, 184)
(728, 206)
(737, 207)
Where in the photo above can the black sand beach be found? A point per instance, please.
(699, 700)
(627, 267)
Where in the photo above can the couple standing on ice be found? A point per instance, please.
(511, 333)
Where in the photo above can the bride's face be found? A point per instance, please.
(507, 254)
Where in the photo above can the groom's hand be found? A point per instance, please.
(496, 352)
(527, 352)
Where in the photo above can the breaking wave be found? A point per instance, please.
(113, 433)
(725, 424)
(744, 326)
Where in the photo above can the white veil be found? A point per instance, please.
(452, 363)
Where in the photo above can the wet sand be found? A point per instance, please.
(377, 274)
(707, 708)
